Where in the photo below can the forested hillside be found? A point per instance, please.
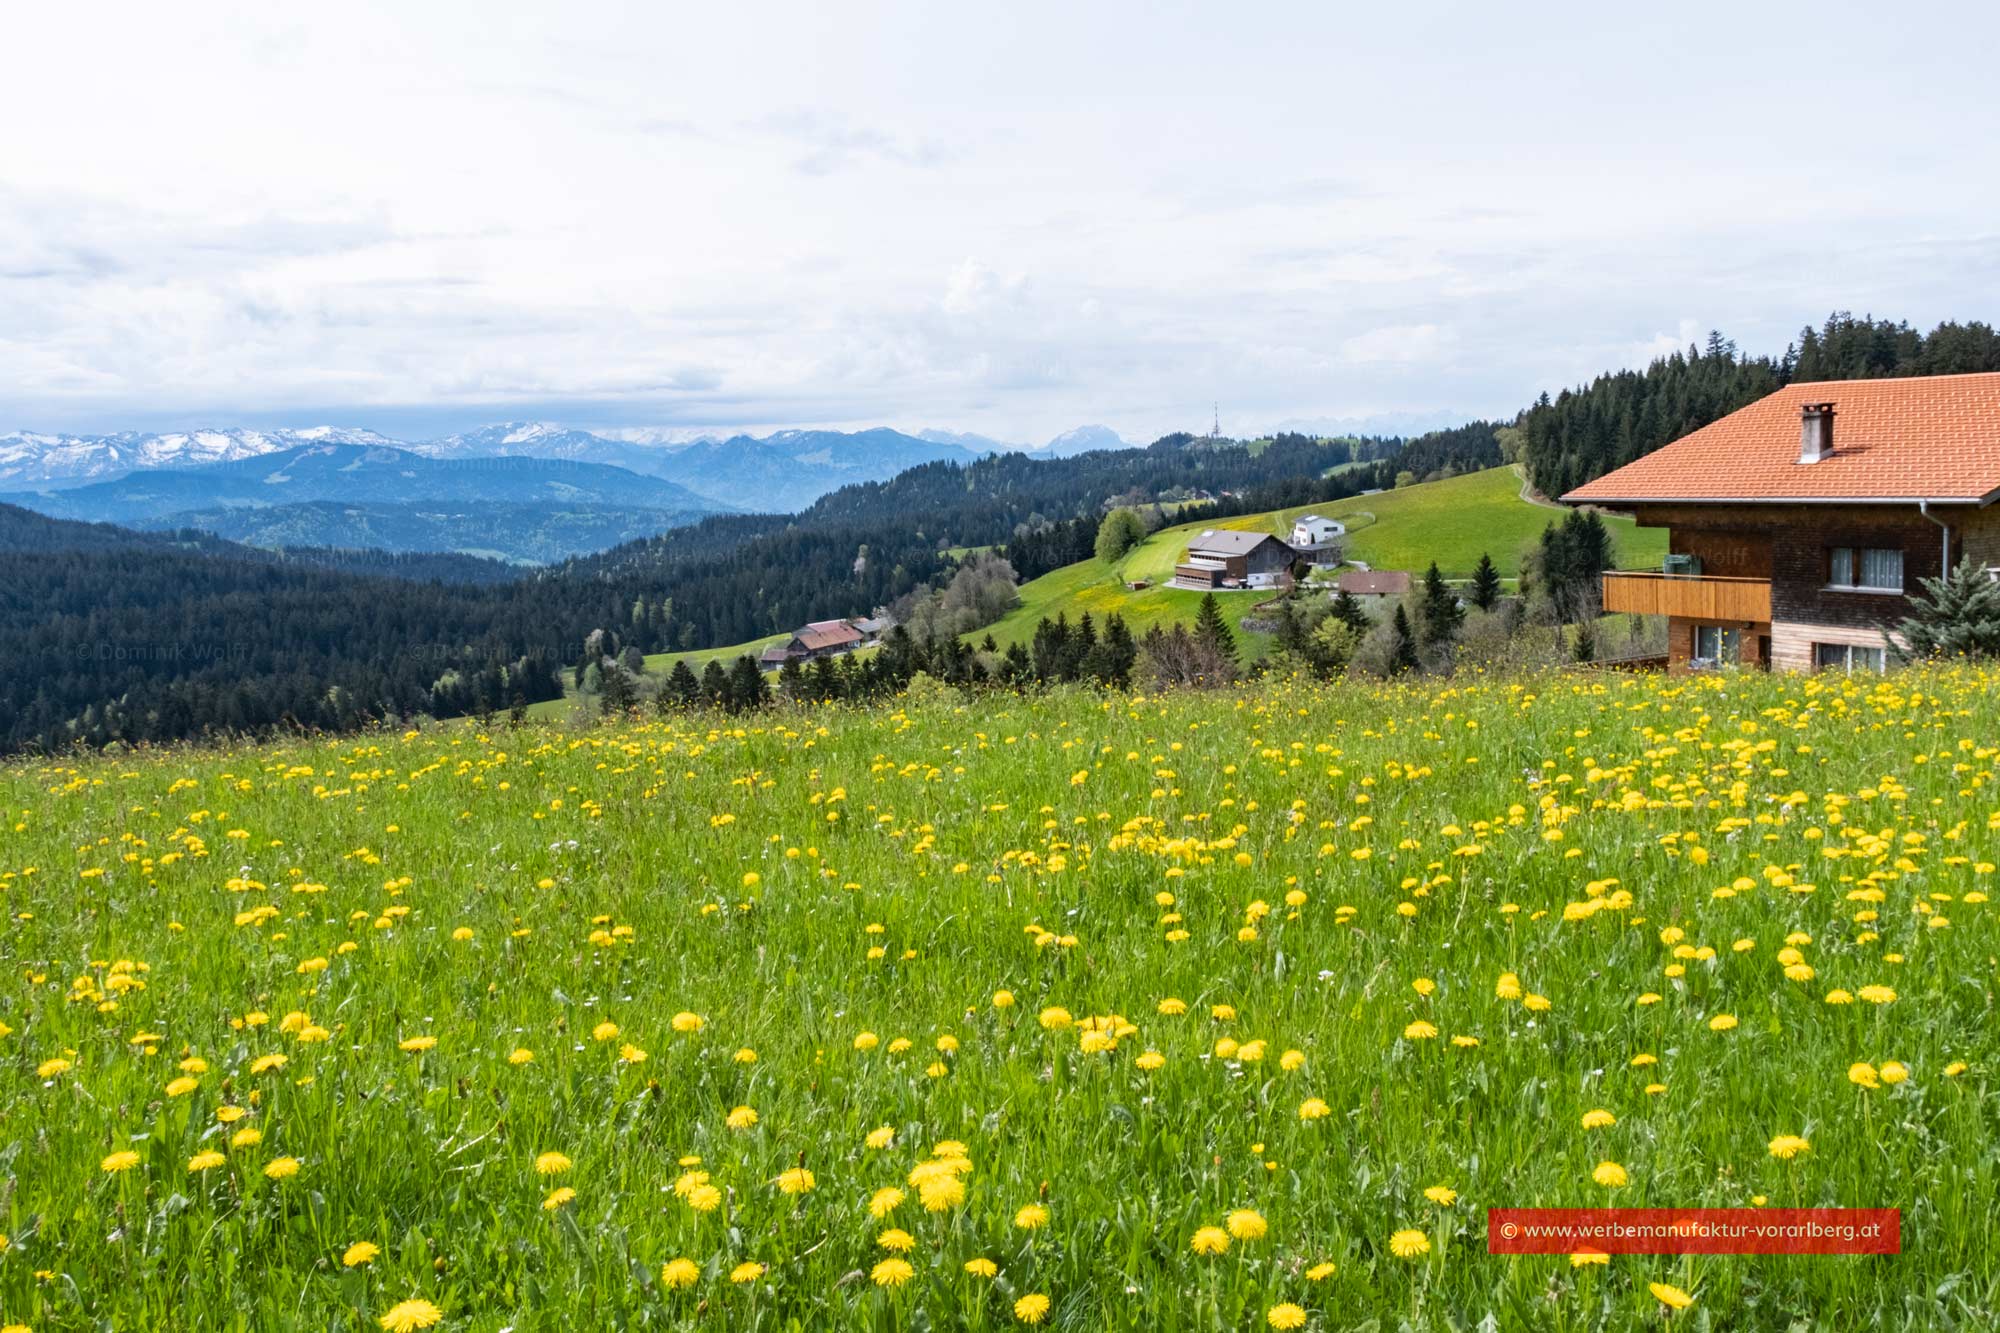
(113, 636)
(1584, 433)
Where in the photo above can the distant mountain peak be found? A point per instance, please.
(1085, 439)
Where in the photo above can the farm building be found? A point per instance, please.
(1221, 558)
(824, 638)
(1795, 543)
(1374, 587)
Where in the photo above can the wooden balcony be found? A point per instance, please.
(1698, 597)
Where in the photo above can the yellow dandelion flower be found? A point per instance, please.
(1247, 1224)
(1409, 1243)
(407, 1315)
(1209, 1240)
(359, 1253)
(891, 1273)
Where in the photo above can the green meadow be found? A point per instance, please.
(1080, 1011)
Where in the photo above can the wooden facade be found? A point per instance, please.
(1699, 598)
(1767, 575)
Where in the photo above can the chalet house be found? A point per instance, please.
(1799, 525)
(1222, 558)
(1317, 539)
(822, 638)
(1374, 588)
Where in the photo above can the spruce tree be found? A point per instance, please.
(1211, 630)
(747, 688)
(825, 680)
(615, 690)
(1121, 653)
(714, 685)
(1442, 615)
(1955, 616)
(1402, 644)
(1485, 583)
(1347, 608)
(682, 685)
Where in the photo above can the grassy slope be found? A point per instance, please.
(1451, 522)
(657, 667)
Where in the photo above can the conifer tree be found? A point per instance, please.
(714, 685)
(1442, 615)
(1212, 630)
(682, 685)
(1402, 644)
(1485, 583)
(747, 688)
(1955, 616)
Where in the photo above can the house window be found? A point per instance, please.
(1717, 645)
(1849, 657)
(1865, 568)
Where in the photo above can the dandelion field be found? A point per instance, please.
(1223, 1011)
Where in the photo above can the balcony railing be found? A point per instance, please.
(1698, 597)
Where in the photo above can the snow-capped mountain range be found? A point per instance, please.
(29, 459)
(787, 468)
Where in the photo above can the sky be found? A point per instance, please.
(669, 219)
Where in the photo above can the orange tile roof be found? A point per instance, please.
(1931, 438)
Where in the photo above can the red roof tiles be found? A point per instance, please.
(1932, 438)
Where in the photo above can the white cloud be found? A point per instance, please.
(682, 219)
(1394, 342)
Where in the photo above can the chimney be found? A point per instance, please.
(1815, 432)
